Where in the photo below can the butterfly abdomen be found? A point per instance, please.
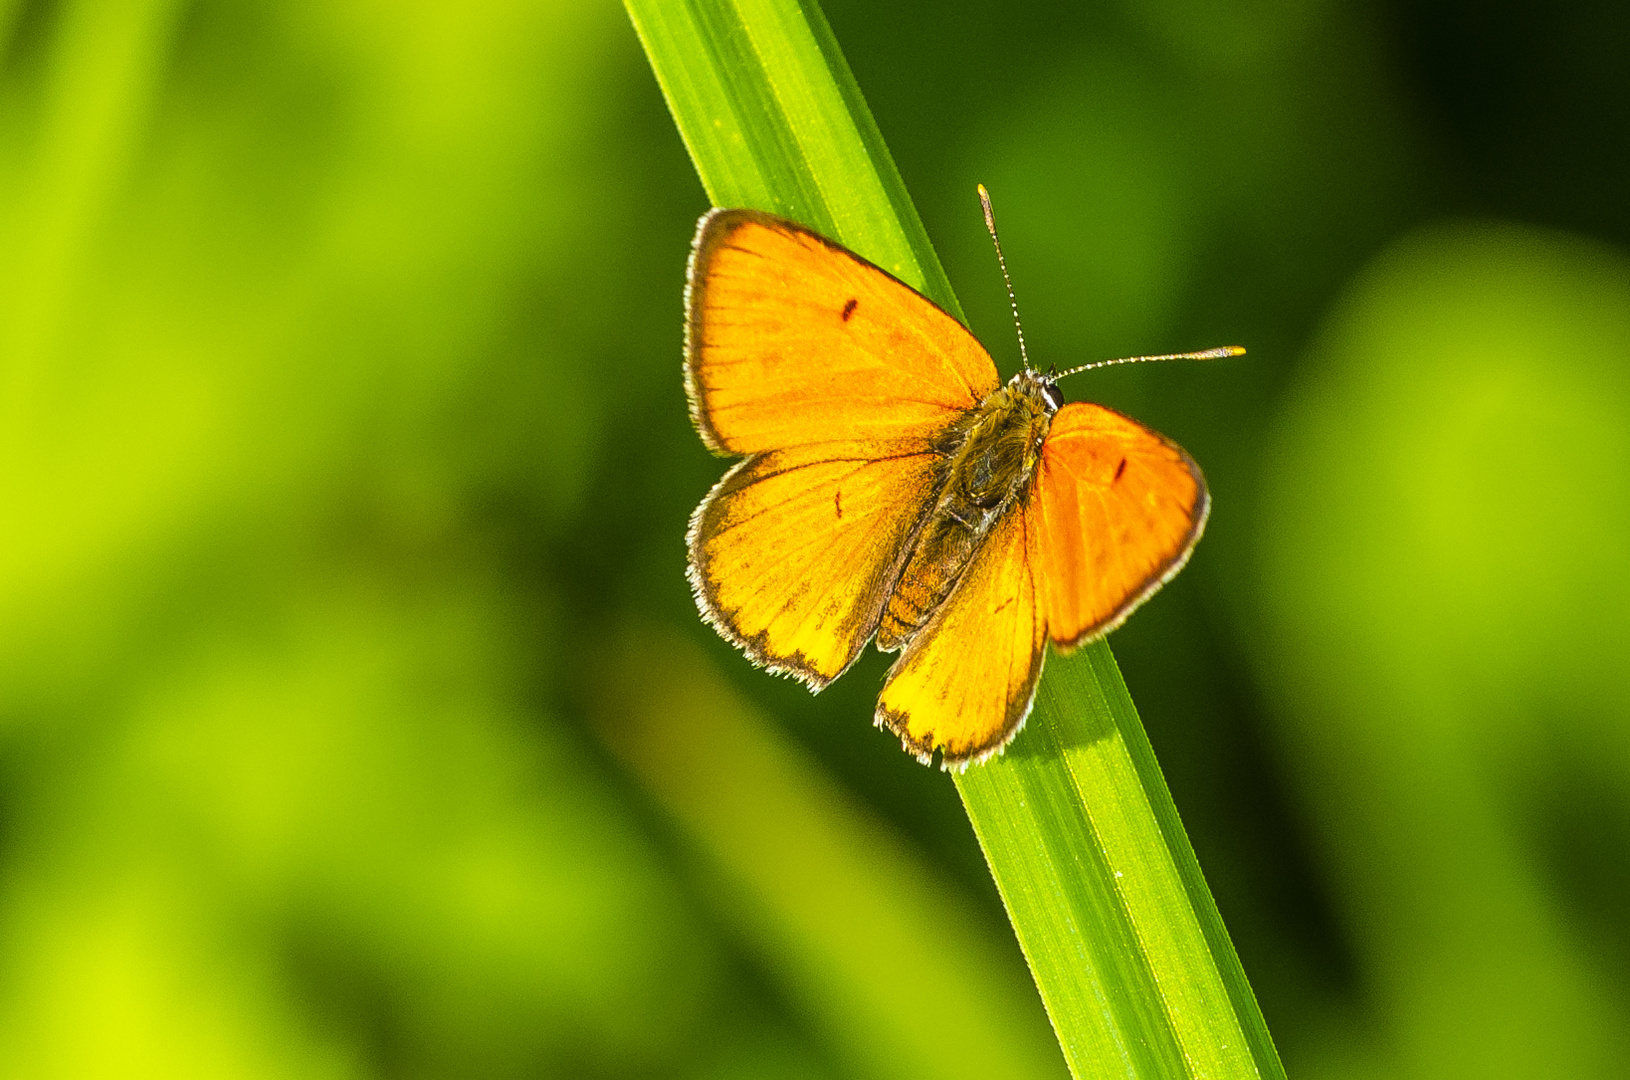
(991, 455)
(944, 549)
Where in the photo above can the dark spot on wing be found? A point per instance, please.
(1119, 469)
(837, 502)
(849, 308)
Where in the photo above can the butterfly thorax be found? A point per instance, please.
(989, 455)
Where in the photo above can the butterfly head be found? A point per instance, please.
(1039, 387)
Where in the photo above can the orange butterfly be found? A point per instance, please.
(893, 487)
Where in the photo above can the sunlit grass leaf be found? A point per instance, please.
(1126, 945)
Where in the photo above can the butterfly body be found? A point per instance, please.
(990, 455)
(891, 488)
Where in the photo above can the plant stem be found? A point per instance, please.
(1123, 938)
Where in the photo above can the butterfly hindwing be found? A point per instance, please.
(794, 552)
(1116, 510)
(964, 684)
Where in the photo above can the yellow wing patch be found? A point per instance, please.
(965, 683)
(794, 552)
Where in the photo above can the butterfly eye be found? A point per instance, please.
(1055, 396)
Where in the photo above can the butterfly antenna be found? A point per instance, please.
(1013, 301)
(1203, 354)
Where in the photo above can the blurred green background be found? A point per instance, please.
(355, 719)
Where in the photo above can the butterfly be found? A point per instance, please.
(892, 489)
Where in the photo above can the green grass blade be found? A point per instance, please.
(1105, 894)
(1108, 902)
(774, 120)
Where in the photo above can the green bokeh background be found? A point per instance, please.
(355, 719)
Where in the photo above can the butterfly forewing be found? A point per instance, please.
(836, 378)
(1117, 509)
(792, 339)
